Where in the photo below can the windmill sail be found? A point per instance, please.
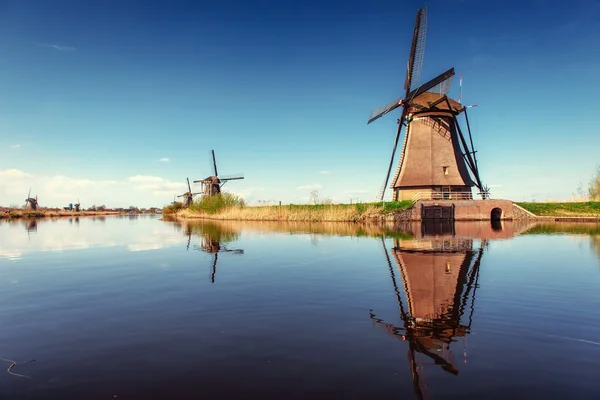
(417, 50)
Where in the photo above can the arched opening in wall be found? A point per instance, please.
(496, 214)
(496, 219)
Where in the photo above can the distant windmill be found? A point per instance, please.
(31, 203)
(212, 185)
(188, 197)
(77, 206)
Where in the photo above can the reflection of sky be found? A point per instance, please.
(61, 235)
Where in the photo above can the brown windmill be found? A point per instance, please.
(212, 185)
(31, 203)
(188, 197)
(436, 161)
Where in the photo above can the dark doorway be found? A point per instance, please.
(496, 214)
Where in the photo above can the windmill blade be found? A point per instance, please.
(381, 111)
(214, 162)
(417, 50)
(442, 81)
(231, 177)
(387, 177)
(29, 194)
(189, 187)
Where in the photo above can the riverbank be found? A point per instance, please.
(31, 214)
(361, 212)
(571, 209)
(388, 211)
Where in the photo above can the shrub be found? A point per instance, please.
(219, 202)
(172, 208)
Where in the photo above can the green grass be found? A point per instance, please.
(580, 209)
(214, 204)
(172, 208)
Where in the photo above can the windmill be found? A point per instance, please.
(30, 202)
(436, 161)
(188, 197)
(77, 206)
(212, 185)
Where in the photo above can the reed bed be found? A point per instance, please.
(302, 213)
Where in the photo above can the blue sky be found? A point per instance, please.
(94, 94)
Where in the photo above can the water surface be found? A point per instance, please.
(136, 307)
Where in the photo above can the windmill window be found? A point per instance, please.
(448, 268)
(445, 170)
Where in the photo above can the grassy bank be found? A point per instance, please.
(574, 209)
(292, 212)
(28, 214)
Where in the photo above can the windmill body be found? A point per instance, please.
(436, 161)
(431, 161)
(188, 197)
(211, 186)
(31, 203)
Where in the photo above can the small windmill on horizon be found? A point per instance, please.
(436, 161)
(31, 203)
(188, 197)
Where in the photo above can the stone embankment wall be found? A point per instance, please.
(464, 210)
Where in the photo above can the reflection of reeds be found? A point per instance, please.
(307, 213)
(230, 230)
(580, 228)
(212, 230)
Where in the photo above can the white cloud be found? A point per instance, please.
(15, 146)
(7, 175)
(164, 159)
(56, 47)
(59, 190)
(325, 172)
(157, 186)
(310, 187)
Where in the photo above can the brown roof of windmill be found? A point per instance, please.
(426, 99)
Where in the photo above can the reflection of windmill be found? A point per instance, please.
(435, 156)
(188, 197)
(438, 276)
(213, 238)
(212, 185)
(31, 226)
(31, 203)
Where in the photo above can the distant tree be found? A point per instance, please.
(314, 197)
(594, 186)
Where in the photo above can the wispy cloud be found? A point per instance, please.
(56, 47)
(164, 159)
(156, 185)
(325, 172)
(15, 146)
(310, 187)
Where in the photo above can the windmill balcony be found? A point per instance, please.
(442, 196)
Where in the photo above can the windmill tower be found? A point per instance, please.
(436, 161)
(77, 206)
(212, 185)
(188, 197)
(30, 202)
